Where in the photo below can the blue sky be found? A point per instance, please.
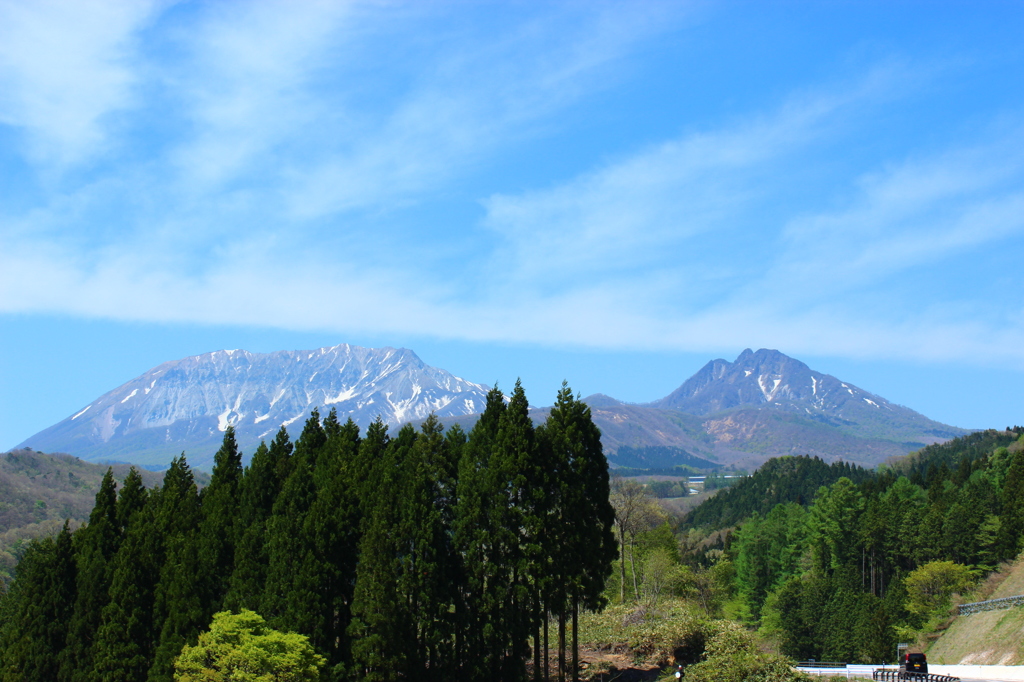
(609, 193)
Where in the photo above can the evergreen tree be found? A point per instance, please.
(1012, 498)
(178, 608)
(258, 490)
(125, 641)
(249, 572)
(516, 482)
(583, 532)
(381, 630)
(834, 523)
(289, 597)
(429, 566)
(217, 530)
(332, 527)
(95, 546)
(37, 609)
(473, 537)
(130, 499)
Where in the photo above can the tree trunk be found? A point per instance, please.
(561, 646)
(622, 565)
(575, 639)
(536, 634)
(547, 649)
(632, 566)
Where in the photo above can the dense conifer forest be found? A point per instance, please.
(868, 559)
(422, 555)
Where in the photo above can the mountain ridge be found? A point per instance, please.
(188, 403)
(739, 414)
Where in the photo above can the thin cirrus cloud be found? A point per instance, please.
(294, 129)
(909, 217)
(64, 67)
(467, 104)
(645, 211)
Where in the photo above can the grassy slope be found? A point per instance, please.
(989, 638)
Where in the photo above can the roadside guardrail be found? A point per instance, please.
(900, 676)
(820, 664)
(990, 605)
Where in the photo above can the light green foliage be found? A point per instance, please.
(711, 650)
(241, 648)
(731, 655)
(930, 587)
(662, 576)
(834, 523)
(768, 550)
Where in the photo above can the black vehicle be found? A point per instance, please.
(914, 663)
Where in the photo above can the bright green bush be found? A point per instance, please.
(241, 648)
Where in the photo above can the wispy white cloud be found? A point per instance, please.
(912, 215)
(280, 140)
(642, 211)
(245, 84)
(65, 67)
(481, 94)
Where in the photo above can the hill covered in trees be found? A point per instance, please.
(425, 555)
(869, 559)
(39, 492)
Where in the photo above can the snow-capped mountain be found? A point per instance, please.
(187, 404)
(769, 376)
(764, 404)
(769, 402)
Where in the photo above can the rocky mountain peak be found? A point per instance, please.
(187, 404)
(763, 377)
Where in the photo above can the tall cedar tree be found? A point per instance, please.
(259, 488)
(217, 530)
(37, 609)
(581, 523)
(178, 610)
(125, 641)
(290, 598)
(332, 529)
(381, 630)
(429, 569)
(515, 475)
(474, 536)
(95, 546)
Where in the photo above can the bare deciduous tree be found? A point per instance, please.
(635, 511)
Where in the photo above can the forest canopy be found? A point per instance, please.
(427, 554)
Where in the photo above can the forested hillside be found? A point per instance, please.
(870, 559)
(781, 480)
(426, 555)
(38, 492)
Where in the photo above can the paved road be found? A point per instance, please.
(974, 673)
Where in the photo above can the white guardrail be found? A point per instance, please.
(1002, 673)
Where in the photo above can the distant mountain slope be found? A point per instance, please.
(770, 379)
(39, 491)
(187, 404)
